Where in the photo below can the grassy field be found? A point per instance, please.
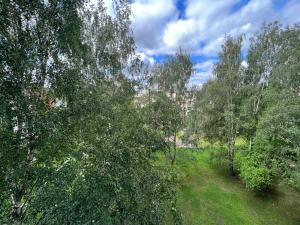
(206, 196)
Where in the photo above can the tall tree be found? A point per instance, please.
(168, 88)
(276, 143)
(40, 57)
(227, 73)
(260, 60)
(74, 149)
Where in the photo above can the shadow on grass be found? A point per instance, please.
(208, 192)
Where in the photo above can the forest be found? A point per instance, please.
(91, 134)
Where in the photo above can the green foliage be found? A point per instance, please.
(240, 142)
(219, 158)
(254, 171)
(209, 105)
(260, 103)
(35, 39)
(256, 178)
(164, 114)
(191, 138)
(172, 76)
(74, 147)
(218, 102)
(167, 96)
(276, 143)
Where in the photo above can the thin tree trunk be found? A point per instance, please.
(232, 173)
(21, 194)
(231, 159)
(174, 154)
(18, 207)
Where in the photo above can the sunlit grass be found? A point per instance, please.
(207, 196)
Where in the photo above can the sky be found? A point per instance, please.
(161, 27)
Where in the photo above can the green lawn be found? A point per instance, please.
(207, 196)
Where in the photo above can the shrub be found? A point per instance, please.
(256, 175)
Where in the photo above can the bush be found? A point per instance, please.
(256, 176)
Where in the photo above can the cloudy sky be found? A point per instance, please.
(161, 27)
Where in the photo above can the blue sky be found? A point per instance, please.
(161, 27)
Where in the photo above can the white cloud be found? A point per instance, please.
(158, 29)
(208, 9)
(291, 13)
(212, 47)
(219, 19)
(180, 33)
(200, 78)
(244, 64)
(150, 18)
(204, 71)
(146, 58)
(205, 66)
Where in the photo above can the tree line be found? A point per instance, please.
(258, 103)
(82, 118)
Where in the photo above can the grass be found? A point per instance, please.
(208, 196)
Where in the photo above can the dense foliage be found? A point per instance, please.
(258, 102)
(165, 98)
(75, 149)
(80, 127)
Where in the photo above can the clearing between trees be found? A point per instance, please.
(209, 196)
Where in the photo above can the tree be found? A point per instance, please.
(165, 115)
(40, 51)
(219, 99)
(228, 72)
(74, 148)
(168, 94)
(174, 76)
(209, 107)
(272, 107)
(279, 123)
(260, 60)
